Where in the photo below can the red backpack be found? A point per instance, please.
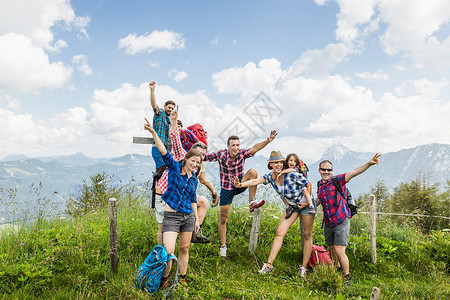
(199, 132)
(319, 256)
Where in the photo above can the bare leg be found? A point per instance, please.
(283, 228)
(339, 251)
(185, 242)
(202, 207)
(251, 174)
(307, 226)
(159, 236)
(224, 210)
(169, 240)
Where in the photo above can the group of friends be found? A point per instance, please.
(179, 157)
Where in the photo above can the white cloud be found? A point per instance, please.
(405, 27)
(153, 64)
(81, 61)
(319, 62)
(149, 42)
(378, 75)
(26, 67)
(35, 20)
(215, 41)
(250, 79)
(176, 75)
(9, 102)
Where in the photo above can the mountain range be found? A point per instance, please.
(64, 175)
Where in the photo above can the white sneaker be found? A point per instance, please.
(223, 251)
(265, 269)
(254, 204)
(302, 271)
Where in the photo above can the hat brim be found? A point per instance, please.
(275, 160)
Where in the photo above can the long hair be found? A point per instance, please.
(191, 153)
(288, 157)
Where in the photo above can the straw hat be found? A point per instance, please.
(275, 156)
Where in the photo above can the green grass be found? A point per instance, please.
(69, 259)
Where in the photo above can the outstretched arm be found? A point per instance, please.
(374, 161)
(156, 138)
(261, 145)
(155, 107)
(173, 119)
(248, 183)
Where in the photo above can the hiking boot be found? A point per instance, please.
(164, 283)
(347, 280)
(289, 212)
(303, 271)
(200, 238)
(223, 251)
(215, 200)
(254, 204)
(265, 269)
(312, 209)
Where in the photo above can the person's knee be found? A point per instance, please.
(307, 235)
(202, 201)
(253, 173)
(184, 250)
(223, 219)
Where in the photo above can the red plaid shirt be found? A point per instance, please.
(178, 154)
(335, 208)
(229, 168)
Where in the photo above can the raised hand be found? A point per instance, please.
(375, 159)
(152, 85)
(148, 126)
(174, 115)
(272, 136)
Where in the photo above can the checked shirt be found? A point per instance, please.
(292, 187)
(229, 168)
(178, 154)
(181, 189)
(161, 124)
(335, 208)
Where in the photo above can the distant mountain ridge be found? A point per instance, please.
(65, 174)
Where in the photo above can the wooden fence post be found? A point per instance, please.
(373, 229)
(113, 258)
(375, 295)
(255, 231)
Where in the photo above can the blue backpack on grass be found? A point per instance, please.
(149, 274)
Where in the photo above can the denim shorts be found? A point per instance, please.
(226, 196)
(337, 235)
(159, 209)
(178, 222)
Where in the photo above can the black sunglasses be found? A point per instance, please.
(324, 170)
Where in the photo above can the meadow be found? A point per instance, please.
(68, 257)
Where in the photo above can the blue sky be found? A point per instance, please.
(370, 74)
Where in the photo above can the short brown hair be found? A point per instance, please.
(180, 123)
(191, 153)
(168, 102)
(233, 137)
(325, 161)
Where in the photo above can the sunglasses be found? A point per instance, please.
(326, 170)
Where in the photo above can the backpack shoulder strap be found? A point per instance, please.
(337, 185)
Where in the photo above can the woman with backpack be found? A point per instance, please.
(293, 188)
(180, 211)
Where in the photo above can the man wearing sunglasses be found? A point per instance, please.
(336, 213)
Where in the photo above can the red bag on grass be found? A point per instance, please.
(319, 256)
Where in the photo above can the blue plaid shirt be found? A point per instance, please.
(335, 208)
(292, 187)
(161, 124)
(181, 190)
